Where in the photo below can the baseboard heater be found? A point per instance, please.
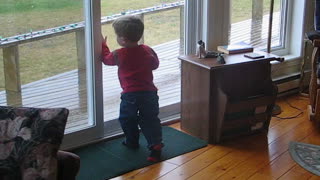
(291, 84)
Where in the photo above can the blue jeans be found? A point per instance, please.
(140, 109)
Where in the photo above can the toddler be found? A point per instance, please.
(139, 100)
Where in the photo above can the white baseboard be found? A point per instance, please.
(293, 83)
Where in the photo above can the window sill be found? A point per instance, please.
(290, 67)
(290, 58)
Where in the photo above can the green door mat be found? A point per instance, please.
(109, 159)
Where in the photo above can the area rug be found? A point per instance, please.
(306, 155)
(110, 159)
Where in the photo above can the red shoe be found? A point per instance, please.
(155, 153)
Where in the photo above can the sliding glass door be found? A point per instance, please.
(163, 20)
(89, 81)
(50, 58)
(47, 60)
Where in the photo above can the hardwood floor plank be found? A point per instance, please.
(274, 121)
(176, 126)
(262, 158)
(296, 173)
(284, 163)
(277, 167)
(148, 173)
(283, 127)
(314, 177)
(281, 144)
(188, 156)
(220, 167)
(198, 163)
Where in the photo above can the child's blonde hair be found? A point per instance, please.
(129, 27)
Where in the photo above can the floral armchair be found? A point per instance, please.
(29, 144)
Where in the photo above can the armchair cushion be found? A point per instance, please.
(29, 141)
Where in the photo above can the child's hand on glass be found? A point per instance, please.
(104, 39)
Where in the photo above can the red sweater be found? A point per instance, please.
(135, 66)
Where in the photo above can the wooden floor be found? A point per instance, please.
(260, 156)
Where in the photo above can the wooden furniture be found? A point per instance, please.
(314, 86)
(219, 101)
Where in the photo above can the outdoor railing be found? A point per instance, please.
(10, 47)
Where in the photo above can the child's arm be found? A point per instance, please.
(155, 60)
(107, 56)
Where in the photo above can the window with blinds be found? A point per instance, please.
(251, 20)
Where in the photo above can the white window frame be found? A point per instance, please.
(294, 44)
(215, 18)
(94, 78)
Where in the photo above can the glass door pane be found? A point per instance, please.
(162, 21)
(43, 58)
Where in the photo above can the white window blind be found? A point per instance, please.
(250, 22)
